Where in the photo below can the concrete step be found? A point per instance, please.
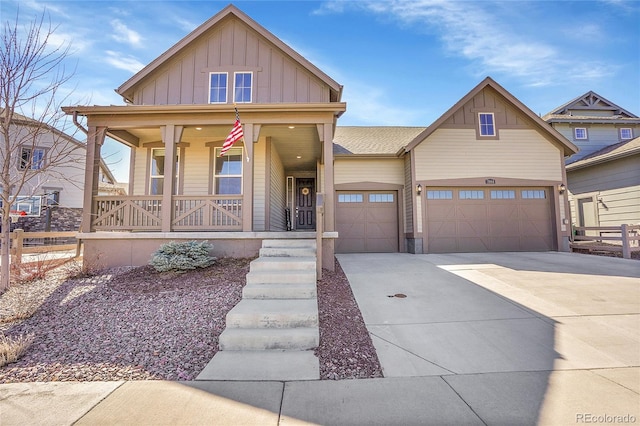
(269, 313)
(262, 365)
(287, 252)
(291, 243)
(281, 277)
(259, 339)
(283, 264)
(279, 291)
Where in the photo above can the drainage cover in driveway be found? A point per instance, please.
(398, 295)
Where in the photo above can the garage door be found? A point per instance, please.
(480, 219)
(367, 222)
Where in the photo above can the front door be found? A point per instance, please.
(305, 203)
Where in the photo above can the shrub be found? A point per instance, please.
(182, 256)
(12, 348)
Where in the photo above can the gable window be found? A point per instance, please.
(580, 133)
(31, 158)
(626, 133)
(228, 172)
(156, 181)
(218, 87)
(486, 123)
(242, 87)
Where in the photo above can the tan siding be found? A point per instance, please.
(277, 201)
(140, 172)
(231, 46)
(197, 173)
(375, 170)
(259, 185)
(518, 154)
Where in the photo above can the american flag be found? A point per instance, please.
(235, 135)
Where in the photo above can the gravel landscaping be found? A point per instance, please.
(137, 324)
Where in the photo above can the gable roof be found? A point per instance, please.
(608, 153)
(125, 89)
(590, 101)
(568, 147)
(387, 140)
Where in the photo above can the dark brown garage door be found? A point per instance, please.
(496, 219)
(367, 222)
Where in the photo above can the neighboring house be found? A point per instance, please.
(52, 200)
(605, 186)
(483, 177)
(604, 177)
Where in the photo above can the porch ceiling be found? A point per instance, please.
(299, 147)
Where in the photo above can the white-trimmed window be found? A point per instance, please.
(439, 195)
(156, 179)
(580, 133)
(228, 172)
(503, 194)
(626, 133)
(487, 124)
(467, 194)
(350, 198)
(534, 194)
(218, 87)
(31, 158)
(242, 83)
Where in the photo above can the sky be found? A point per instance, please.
(402, 63)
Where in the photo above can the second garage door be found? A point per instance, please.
(367, 222)
(480, 220)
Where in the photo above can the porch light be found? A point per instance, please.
(562, 188)
(298, 156)
(292, 127)
(418, 189)
(198, 128)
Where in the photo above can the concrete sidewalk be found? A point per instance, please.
(501, 338)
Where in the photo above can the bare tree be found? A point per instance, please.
(34, 149)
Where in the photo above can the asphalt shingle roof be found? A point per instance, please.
(386, 140)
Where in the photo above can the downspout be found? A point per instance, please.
(78, 125)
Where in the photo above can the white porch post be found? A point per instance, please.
(95, 139)
(247, 179)
(171, 135)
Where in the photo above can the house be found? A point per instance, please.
(604, 177)
(51, 198)
(485, 176)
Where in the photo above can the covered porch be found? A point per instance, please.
(266, 184)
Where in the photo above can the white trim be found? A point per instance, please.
(226, 89)
(250, 88)
(575, 133)
(493, 124)
(216, 153)
(630, 133)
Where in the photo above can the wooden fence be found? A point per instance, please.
(18, 246)
(624, 238)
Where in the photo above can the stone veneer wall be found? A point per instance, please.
(61, 219)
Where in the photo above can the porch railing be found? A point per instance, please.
(190, 213)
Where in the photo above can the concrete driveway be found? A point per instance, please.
(522, 338)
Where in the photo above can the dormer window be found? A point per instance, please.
(218, 88)
(242, 87)
(486, 123)
(626, 133)
(580, 133)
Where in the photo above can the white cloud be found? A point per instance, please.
(123, 62)
(124, 34)
(493, 47)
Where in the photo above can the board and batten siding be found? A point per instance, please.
(277, 194)
(388, 170)
(457, 154)
(231, 46)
